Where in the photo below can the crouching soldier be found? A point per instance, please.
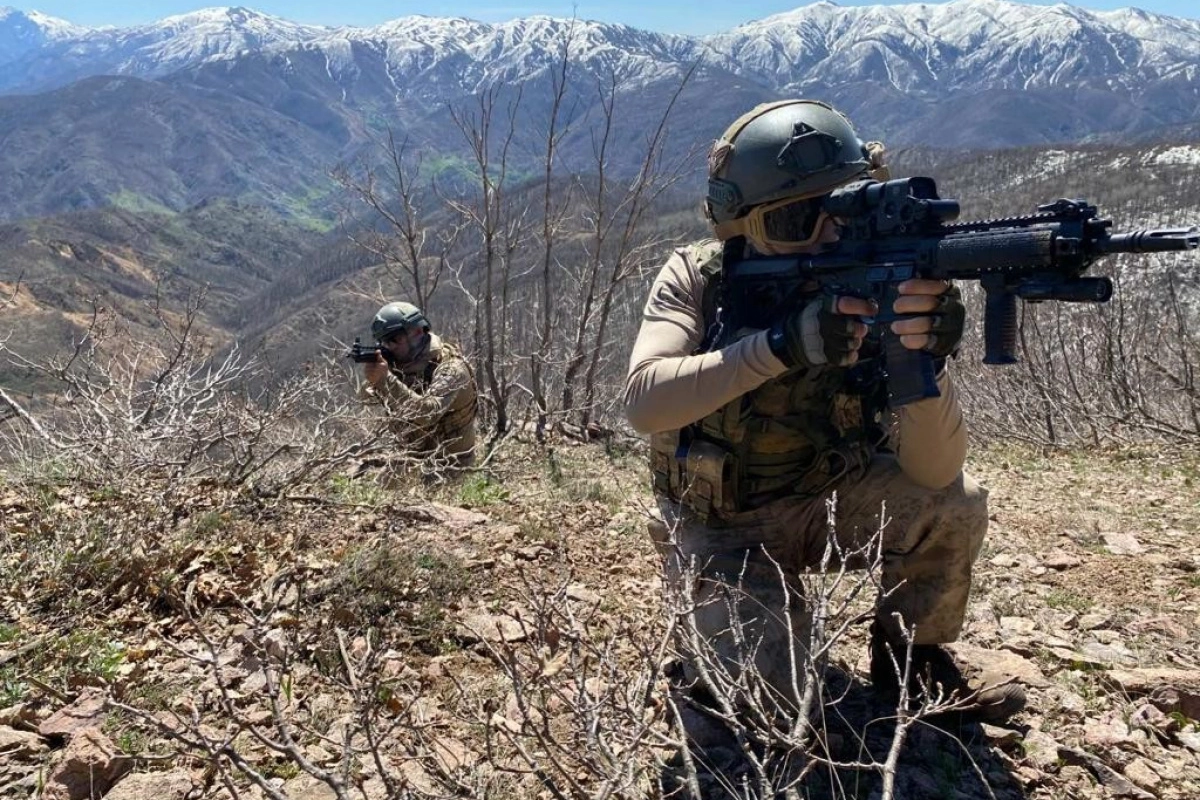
(426, 387)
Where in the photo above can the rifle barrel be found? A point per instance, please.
(1161, 240)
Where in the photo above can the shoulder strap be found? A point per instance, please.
(712, 270)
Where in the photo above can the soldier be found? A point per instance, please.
(755, 426)
(425, 384)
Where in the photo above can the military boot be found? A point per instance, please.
(934, 667)
(721, 769)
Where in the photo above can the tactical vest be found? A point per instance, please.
(793, 436)
(455, 429)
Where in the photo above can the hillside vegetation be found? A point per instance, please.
(209, 587)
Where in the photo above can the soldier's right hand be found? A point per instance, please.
(827, 331)
(374, 372)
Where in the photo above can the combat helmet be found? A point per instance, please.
(394, 318)
(791, 149)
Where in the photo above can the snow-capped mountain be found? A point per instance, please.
(963, 44)
(272, 99)
(919, 47)
(22, 33)
(63, 53)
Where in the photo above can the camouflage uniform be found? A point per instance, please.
(743, 488)
(431, 404)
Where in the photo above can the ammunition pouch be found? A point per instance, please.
(699, 475)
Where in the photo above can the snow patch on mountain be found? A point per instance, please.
(921, 49)
(1182, 154)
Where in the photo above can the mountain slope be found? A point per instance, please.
(230, 102)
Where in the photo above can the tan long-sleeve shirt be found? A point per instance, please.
(668, 387)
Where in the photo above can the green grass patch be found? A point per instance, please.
(1068, 601)
(356, 491)
(480, 490)
(139, 203)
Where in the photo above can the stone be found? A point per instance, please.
(1041, 749)
(476, 627)
(89, 767)
(306, 787)
(1168, 688)
(1112, 780)
(22, 715)
(86, 712)
(1190, 740)
(1122, 544)
(20, 745)
(993, 667)
(1109, 730)
(1108, 654)
(173, 785)
(1059, 560)
(456, 519)
(1142, 774)
(1017, 625)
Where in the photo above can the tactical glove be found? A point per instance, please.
(949, 319)
(816, 335)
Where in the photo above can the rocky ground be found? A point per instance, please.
(501, 637)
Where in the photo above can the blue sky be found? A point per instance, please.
(668, 16)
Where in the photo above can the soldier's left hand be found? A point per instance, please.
(939, 329)
(375, 372)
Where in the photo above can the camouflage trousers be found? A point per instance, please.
(738, 577)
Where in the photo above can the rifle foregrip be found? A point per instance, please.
(1000, 327)
(994, 250)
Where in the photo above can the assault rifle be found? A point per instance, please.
(901, 229)
(362, 354)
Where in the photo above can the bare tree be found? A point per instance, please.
(496, 228)
(413, 251)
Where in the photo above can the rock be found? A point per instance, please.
(456, 519)
(1171, 690)
(1150, 717)
(1112, 780)
(999, 666)
(1190, 740)
(480, 626)
(89, 767)
(20, 745)
(1041, 749)
(1079, 659)
(1092, 622)
(1004, 561)
(1142, 774)
(1017, 625)
(86, 712)
(1108, 731)
(307, 787)
(173, 785)
(1108, 654)
(577, 591)
(1059, 560)
(1122, 544)
(1003, 737)
(21, 715)
(1067, 703)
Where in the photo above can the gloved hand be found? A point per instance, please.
(940, 328)
(826, 331)
(375, 372)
